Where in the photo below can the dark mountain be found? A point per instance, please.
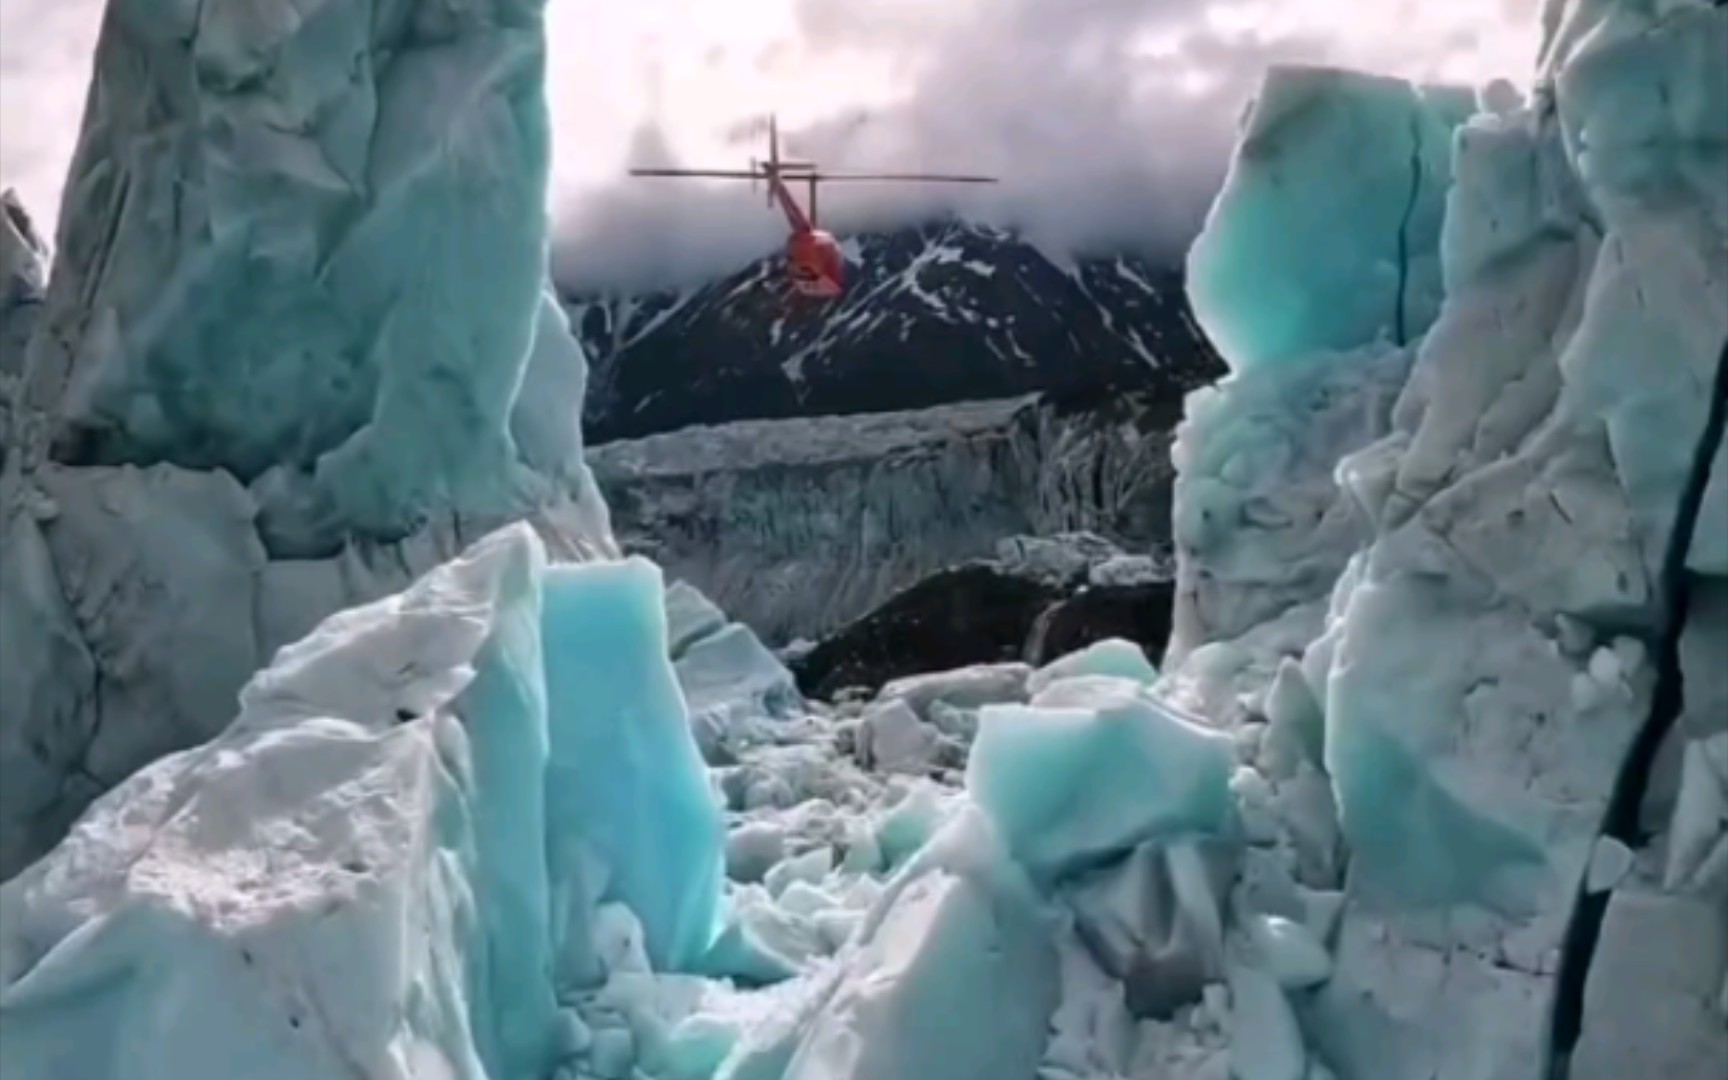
(933, 315)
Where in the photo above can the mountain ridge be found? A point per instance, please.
(935, 314)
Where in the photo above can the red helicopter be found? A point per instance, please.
(814, 264)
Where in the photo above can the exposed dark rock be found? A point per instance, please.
(973, 614)
(1139, 613)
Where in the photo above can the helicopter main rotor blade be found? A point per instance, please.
(712, 174)
(802, 171)
(922, 178)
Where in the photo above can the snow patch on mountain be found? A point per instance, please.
(1444, 798)
(936, 315)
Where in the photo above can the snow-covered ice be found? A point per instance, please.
(1112, 657)
(266, 381)
(355, 875)
(957, 979)
(531, 818)
(466, 759)
(1091, 769)
(730, 679)
(1440, 567)
(317, 260)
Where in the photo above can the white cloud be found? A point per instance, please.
(46, 48)
(1107, 119)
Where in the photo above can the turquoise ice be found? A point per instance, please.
(308, 243)
(626, 788)
(1327, 233)
(1091, 770)
(366, 872)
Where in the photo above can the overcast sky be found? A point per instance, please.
(1108, 120)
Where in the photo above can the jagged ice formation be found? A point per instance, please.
(1433, 557)
(23, 279)
(297, 349)
(306, 243)
(1477, 672)
(354, 879)
(797, 526)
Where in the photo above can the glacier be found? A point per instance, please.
(1452, 554)
(796, 527)
(266, 264)
(1370, 159)
(357, 873)
(1431, 783)
(259, 384)
(498, 762)
(23, 281)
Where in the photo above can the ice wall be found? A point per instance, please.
(1319, 264)
(23, 279)
(1372, 158)
(1443, 569)
(357, 877)
(296, 351)
(307, 244)
(795, 527)
(627, 789)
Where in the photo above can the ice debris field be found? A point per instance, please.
(1431, 784)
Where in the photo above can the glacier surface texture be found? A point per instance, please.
(378, 868)
(1431, 784)
(265, 381)
(1445, 573)
(798, 526)
(306, 243)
